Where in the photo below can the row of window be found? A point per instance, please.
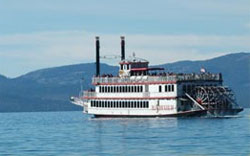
(120, 104)
(119, 89)
(168, 88)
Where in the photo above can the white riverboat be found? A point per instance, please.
(141, 91)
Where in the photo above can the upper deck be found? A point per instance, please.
(156, 79)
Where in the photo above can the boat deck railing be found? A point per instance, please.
(160, 78)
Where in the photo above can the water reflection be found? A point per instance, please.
(145, 122)
(121, 135)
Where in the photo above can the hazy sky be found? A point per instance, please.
(37, 34)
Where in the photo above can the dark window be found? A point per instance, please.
(141, 88)
(137, 104)
(169, 88)
(166, 88)
(159, 88)
(121, 66)
(172, 88)
(129, 104)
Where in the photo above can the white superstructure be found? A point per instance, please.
(141, 91)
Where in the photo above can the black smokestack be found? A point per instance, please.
(97, 43)
(123, 47)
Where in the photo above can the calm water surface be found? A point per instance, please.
(72, 133)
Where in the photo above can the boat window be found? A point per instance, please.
(134, 88)
(141, 89)
(128, 66)
(121, 66)
(166, 88)
(138, 104)
(172, 88)
(169, 88)
(159, 88)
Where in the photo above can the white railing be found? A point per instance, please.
(176, 77)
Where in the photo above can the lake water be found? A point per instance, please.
(74, 133)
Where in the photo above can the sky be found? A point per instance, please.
(36, 34)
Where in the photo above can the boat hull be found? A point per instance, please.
(196, 113)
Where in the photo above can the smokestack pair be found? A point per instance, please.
(98, 53)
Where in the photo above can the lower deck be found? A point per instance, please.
(132, 107)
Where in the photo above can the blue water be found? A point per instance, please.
(74, 133)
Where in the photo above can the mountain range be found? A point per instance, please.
(49, 89)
